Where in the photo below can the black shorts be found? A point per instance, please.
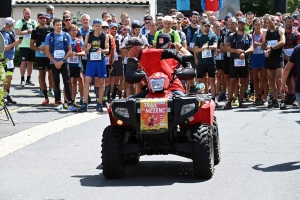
(117, 69)
(84, 62)
(293, 72)
(108, 69)
(202, 69)
(125, 65)
(42, 63)
(273, 63)
(226, 65)
(238, 72)
(27, 54)
(75, 72)
(220, 64)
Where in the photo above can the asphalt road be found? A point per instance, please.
(259, 149)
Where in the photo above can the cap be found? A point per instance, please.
(148, 17)
(40, 14)
(204, 15)
(194, 13)
(295, 16)
(135, 24)
(113, 25)
(9, 21)
(108, 19)
(227, 16)
(206, 22)
(242, 20)
(233, 19)
(163, 41)
(113, 15)
(160, 18)
(159, 15)
(48, 16)
(104, 23)
(134, 41)
(50, 7)
(66, 17)
(97, 21)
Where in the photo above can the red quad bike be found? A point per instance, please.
(160, 124)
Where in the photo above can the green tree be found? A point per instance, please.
(258, 7)
(2, 79)
(292, 5)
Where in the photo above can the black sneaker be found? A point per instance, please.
(228, 105)
(270, 104)
(9, 100)
(275, 104)
(22, 84)
(282, 105)
(28, 82)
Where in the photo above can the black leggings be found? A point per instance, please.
(65, 72)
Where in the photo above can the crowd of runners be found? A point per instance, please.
(239, 58)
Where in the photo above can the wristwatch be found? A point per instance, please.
(64, 60)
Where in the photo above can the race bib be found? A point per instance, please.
(125, 60)
(10, 64)
(258, 50)
(288, 52)
(27, 36)
(228, 54)
(272, 43)
(74, 60)
(107, 60)
(219, 56)
(239, 63)
(84, 57)
(59, 54)
(206, 53)
(116, 56)
(192, 45)
(95, 56)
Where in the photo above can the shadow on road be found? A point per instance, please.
(284, 167)
(146, 173)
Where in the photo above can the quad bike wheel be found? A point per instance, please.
(112, 160)
(203, 152)
(216, 138)
(132, 161)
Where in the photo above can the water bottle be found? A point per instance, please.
(200, 87)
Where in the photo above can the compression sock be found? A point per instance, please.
(45, 94)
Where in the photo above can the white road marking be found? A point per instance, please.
(17, 141)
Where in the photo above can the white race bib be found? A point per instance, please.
(192, 44)
(27, 36)
(272, 43)
(206, 53)
(125, 60)
(228, 54)
(219, 56)
(59, 54)
(116, 56)
(74, 60)
(10, 64)
(239, 63)
(288, 52)
(95, 56)
(84, 57)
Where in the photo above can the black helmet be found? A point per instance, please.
(135, 24)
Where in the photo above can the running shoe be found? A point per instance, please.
(41, 94)
(295, 103)
(81, 101)
(99, 107)
(59, 107)
(65, 106)
(22, 84)
(72, 108)
(252, 97)
(228, 105)
(257, 102)
(84, 107)
(56, 103)
(242, 105)
(45, 102)
(275, 104)
(235, 102)
(282, 105)
(76, 105)
(51, 92)
(28, 82)
(222, 97)
(270, 104)
(9, 100)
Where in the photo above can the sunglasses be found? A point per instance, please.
(147, 22)
(114, 29)
(42, 18)
(74, 30)
(104, 27)
(67, 20)
(128, 48)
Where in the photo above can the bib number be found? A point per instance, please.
(272, 43)
(192, 45)
(116, 56)
(95, 56)
(75, 60)
(27, 36)
(10, 64)
(206, 53)
(239, 63)
(288, 52)
(59, 54)
(84, 57)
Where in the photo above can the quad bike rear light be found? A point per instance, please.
(122, 111)
(187, 108)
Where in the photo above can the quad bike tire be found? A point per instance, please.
(216, 138)
(203, 152)
(112, 159)
(132, 161)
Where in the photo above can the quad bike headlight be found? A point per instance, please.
(187, 108)
(122, 111)
(157, 84)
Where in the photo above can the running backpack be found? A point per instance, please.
(40, 36)
(65, 41)
(24, 27)
(11, 34)
(171, 34)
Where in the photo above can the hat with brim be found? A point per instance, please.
(134, 41)
(163, 41)
(243, 20)
(206, 23)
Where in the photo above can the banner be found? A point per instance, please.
(183, 4)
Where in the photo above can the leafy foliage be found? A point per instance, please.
(77, 18)
(292, 5)
(2, 79)
(258, 7)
